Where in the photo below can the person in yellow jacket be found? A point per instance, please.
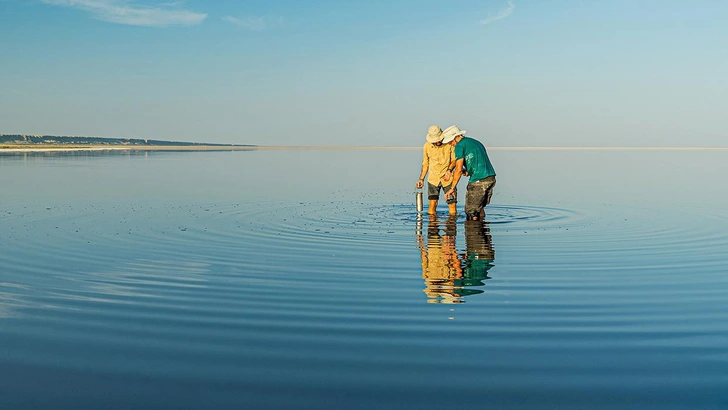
(436, 164)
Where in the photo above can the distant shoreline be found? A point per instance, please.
(45, 143)
(106, 147)
(201, 147)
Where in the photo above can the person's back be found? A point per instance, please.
(476, 158)
(438, 159)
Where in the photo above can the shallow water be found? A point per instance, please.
(304, 279)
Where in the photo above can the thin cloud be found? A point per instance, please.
(255, 23)
(123, 12)
(248, 23)
(501, 14)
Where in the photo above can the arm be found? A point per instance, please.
(456, 177)
(451, 166)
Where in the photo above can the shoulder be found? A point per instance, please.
(458, 149)
(472, 141)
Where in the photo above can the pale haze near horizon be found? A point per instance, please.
(512, 73)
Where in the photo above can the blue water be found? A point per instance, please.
(305, 279)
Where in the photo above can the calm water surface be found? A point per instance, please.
(305, 279)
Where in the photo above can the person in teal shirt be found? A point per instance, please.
(471, 155)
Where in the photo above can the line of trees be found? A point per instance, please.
(52, 139)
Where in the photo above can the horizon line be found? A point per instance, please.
(251, 147)
(533, 148)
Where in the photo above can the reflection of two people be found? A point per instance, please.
(450, 276)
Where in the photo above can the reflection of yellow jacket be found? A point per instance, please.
(441, 263)
(440, 269)
(437, 160)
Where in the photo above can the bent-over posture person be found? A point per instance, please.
(436, 160)
(471, 154)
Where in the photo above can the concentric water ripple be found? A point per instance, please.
(244, 295)
(229, 233)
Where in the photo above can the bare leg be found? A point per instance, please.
(433, 207)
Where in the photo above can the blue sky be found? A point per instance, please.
(512, 73)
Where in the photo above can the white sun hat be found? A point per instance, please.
(450, 133)
(434, 134)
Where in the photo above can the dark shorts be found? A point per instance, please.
(478, 195)
(433, 193)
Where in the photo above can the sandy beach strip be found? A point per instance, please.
(52, 148)
(56, 148)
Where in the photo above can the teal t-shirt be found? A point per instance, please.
(476, 158)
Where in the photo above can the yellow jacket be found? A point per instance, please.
(437, 160)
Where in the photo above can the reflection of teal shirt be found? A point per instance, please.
(477, 162)
(476, 271)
